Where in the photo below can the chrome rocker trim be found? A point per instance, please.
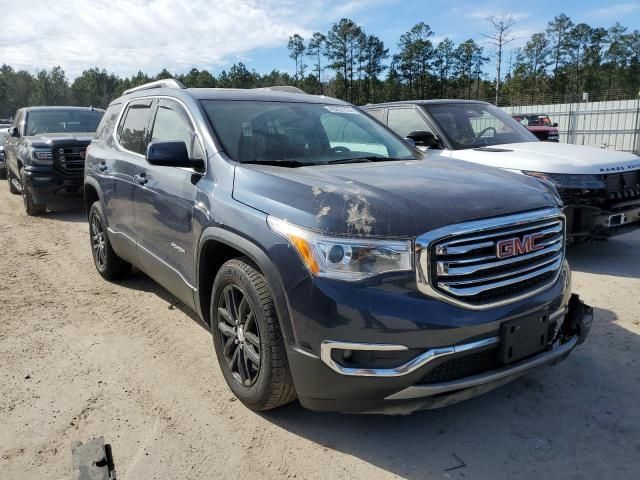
(327, 347)
(419, 391)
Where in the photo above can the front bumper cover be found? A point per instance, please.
(399, 391)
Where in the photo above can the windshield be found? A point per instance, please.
(296, 134)
(59, 121)
(473, 125)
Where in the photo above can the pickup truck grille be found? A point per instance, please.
(622, 186)
(492, 262)
(70, 158)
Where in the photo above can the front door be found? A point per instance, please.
(165, 200)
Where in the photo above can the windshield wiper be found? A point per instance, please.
(363, 160)
(281, 163)
(350, 160)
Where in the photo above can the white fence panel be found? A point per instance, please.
(612, 124)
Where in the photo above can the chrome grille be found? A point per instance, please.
(463, 263)
(70, 158)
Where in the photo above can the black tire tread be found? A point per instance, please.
(281, 388)
(116, 267)
(12, 188)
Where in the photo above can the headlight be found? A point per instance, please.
(348, 259)
(562, 180)
(42, 157)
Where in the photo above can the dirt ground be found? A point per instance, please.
(80, 357)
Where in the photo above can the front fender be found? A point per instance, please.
(263, 262)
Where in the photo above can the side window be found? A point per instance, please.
(108, 122)
(132, 133)
(377, 113)
(403, 121)
(173, 124)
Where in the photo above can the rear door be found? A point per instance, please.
(117, 169)
(164, 206)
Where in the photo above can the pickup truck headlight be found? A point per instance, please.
(572, 181)
(42, 156)
(348, 259)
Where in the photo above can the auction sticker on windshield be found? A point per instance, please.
(340, 109)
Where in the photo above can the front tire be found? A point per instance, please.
(107, 262)
(12, 187)
(247, 337)
(33, 209)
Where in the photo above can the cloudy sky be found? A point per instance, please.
(125, 36)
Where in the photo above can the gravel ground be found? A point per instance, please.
(80, 357)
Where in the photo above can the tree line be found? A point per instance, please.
(349, 63)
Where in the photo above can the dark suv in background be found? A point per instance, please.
(332, 261)
(45, 153)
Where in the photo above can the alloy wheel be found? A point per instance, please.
(98, 241)
(239, 335)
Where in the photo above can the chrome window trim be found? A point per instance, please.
(125, 106)
(425, 241)
(328, 346)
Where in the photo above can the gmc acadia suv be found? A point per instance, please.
(45, 153)
(332, 261)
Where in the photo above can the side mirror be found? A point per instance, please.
(555, 124)
(14, 132)
(171, 154)
(421, 138)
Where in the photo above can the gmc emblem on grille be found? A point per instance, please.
(518, 246)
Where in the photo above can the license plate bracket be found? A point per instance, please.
(522, 337)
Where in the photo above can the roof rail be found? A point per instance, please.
(166, 83)
(282, 88)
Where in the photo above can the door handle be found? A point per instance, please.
(140, 179)
(102, 167)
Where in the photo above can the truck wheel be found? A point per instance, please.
(247, 337)
(108, 264)
(33, 209)
(12, 187)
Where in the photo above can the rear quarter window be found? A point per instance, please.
(108, 122)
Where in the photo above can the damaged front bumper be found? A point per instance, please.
(598, 222)
(408, 388)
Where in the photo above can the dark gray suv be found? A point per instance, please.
(332, 261)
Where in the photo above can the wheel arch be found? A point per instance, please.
(216, 247)
(91, 193)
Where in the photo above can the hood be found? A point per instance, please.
(400, 199)
(53, 139)
(551, 158)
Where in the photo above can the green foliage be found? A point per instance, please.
(349, 63)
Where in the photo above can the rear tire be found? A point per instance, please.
(10, 178)
(247, 337)
(107, 262)
(33, 209)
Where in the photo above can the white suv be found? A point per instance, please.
(600, 188)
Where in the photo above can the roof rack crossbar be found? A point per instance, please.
(166, 83)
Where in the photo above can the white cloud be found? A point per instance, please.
(615, 10)
(125, 36)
